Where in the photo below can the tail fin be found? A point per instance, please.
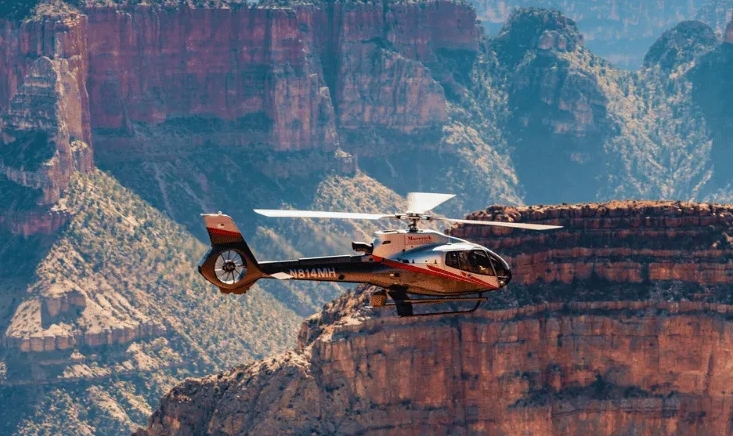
(229, 264)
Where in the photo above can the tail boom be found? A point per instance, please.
(347, 269)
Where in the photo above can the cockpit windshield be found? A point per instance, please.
(475, 261)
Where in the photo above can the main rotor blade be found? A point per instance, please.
(502, 224)
(421, 202)
(276, 213)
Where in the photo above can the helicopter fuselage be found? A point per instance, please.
(409, 261)
(421, 262)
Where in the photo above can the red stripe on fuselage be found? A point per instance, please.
(432, 271)
(458, 277)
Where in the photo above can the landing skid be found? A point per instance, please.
(403, 304)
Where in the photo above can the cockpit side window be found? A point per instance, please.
(451, 259)
(475, 261)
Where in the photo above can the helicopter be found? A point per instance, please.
(411, 266)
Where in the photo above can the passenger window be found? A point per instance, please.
(475, 261)
(451, 259)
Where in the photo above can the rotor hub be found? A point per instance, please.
(229, 266)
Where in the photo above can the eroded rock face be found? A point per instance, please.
(46, 135)
(618, 30)
(284, 78)
(250, 67)
(560, 113)
(680, 45)
(43, 131)
(551, 369)
(303, 78)
(621, 242)
(63, 316)
(658, 365)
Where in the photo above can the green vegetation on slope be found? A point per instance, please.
(115, 233)
(133, 264)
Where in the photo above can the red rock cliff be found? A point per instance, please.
(159, 81)
(622, 242)
(46, 131)
(588, 368)
(147, 65)
(54, 37)
(659, 366)
(287, 78)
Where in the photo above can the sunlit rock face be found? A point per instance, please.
(284, 78)
(630, 333)
(46, 134)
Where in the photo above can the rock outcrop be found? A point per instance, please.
(681, 45)
(709, 77)
(654, 366)
(621, 242)
(617, 30)
(58, 319)
(559, 116)
(553, 369)
(46, 133)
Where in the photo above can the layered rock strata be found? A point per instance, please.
(280, 78)
(620, 242)
(62, 316)
(654, 366)
(613, 367)
(303, 78)
(46, 130)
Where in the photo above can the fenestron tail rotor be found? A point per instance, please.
(230, 267)
(418, 205)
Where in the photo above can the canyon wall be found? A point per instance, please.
(641, 368)
(279, 78)
(150, 83)
(658, 365)
(46, 130)
(254, 67)
(622, 242)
